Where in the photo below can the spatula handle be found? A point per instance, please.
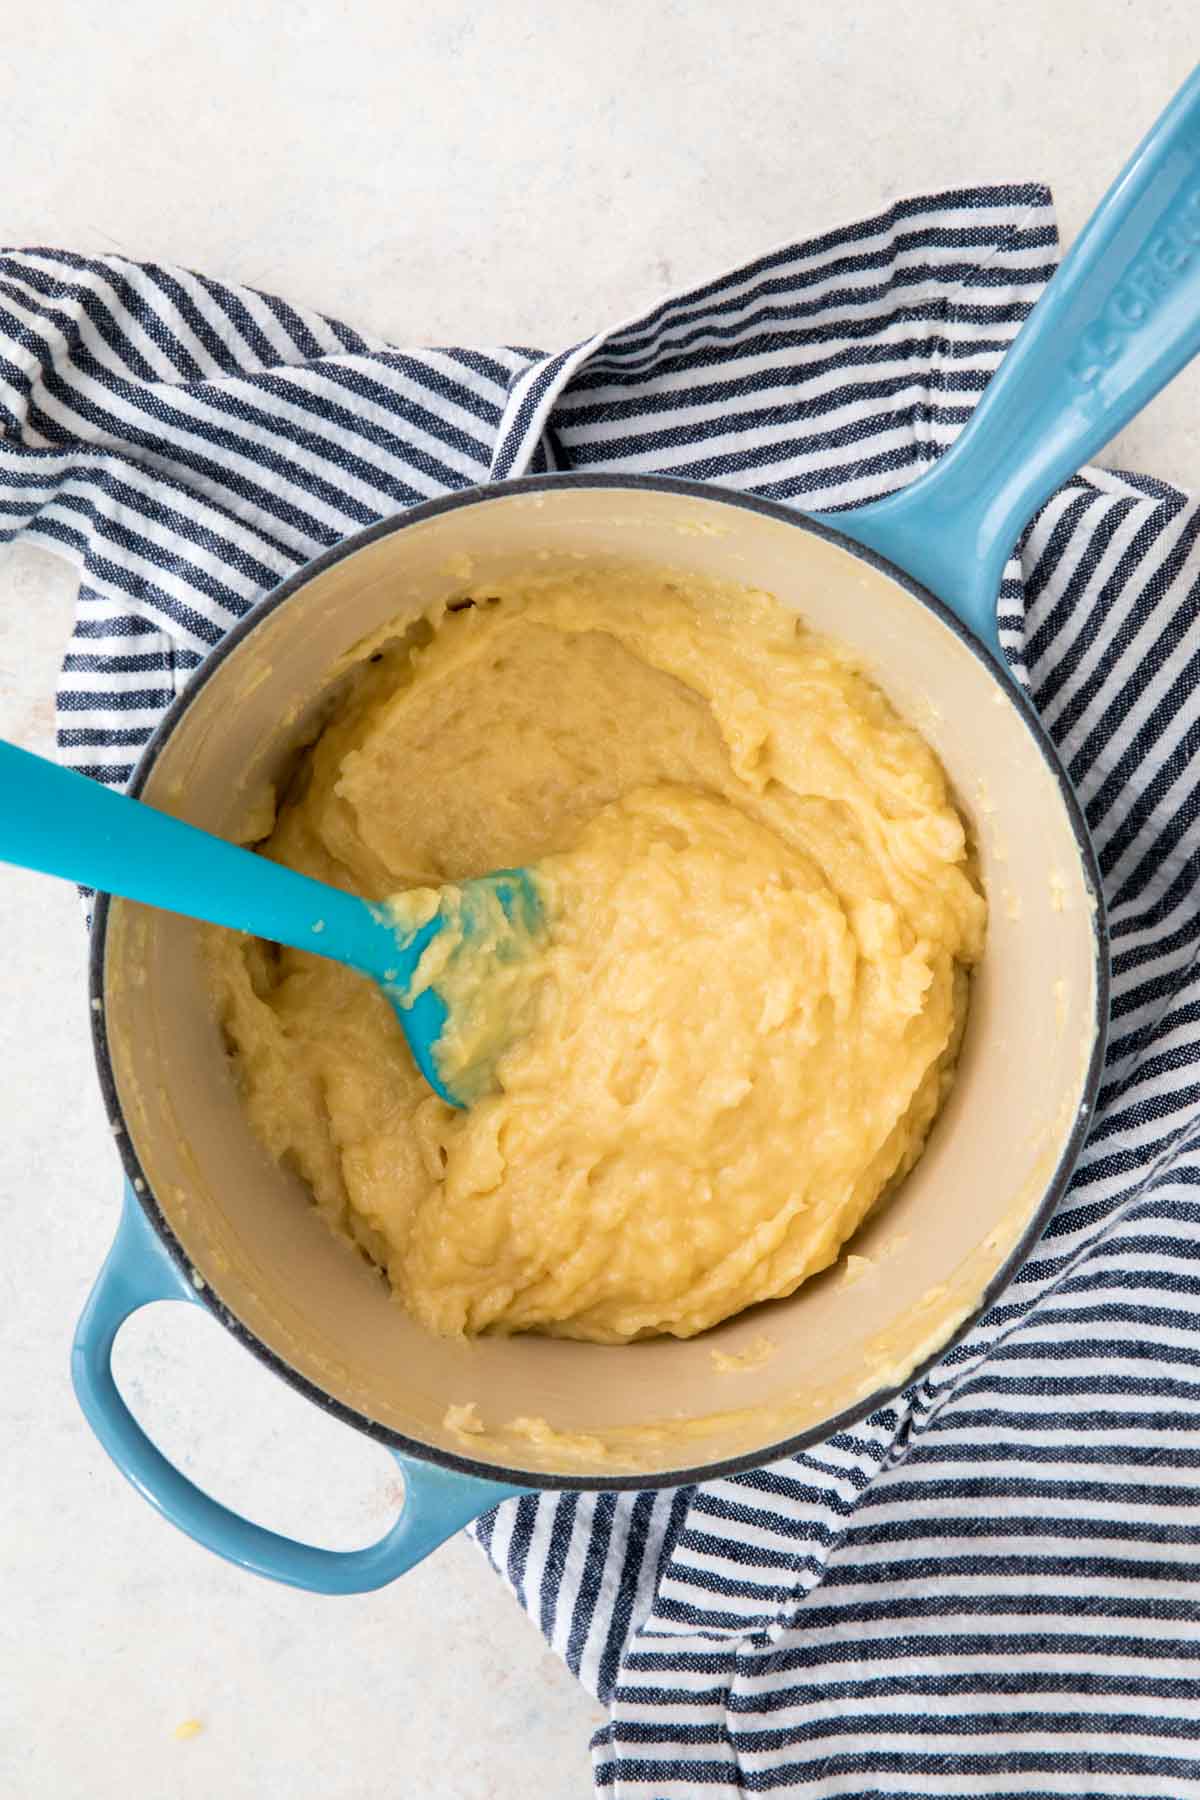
(61, 823)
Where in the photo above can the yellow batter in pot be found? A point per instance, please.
(762, 911)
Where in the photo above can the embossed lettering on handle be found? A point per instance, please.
(1137, 294)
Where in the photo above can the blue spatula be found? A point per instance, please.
(64, 824)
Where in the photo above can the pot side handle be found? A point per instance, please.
(437, 1502)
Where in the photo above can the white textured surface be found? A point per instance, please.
(433, 172)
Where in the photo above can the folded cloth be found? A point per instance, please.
(991, 1586)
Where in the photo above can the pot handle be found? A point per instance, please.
(1119, 318)
(437, 1502)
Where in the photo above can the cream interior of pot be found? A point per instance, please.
(555, 1406)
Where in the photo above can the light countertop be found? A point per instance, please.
(443, 173)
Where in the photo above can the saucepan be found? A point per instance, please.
(910, 583)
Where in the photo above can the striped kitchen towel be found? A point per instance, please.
(992, 1586)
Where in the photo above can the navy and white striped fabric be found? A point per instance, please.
(991, 1587)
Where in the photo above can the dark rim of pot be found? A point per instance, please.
(767, 1453)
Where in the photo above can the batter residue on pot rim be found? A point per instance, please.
(761, 910)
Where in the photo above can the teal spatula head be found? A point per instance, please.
(457, 963)
(465, 974)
